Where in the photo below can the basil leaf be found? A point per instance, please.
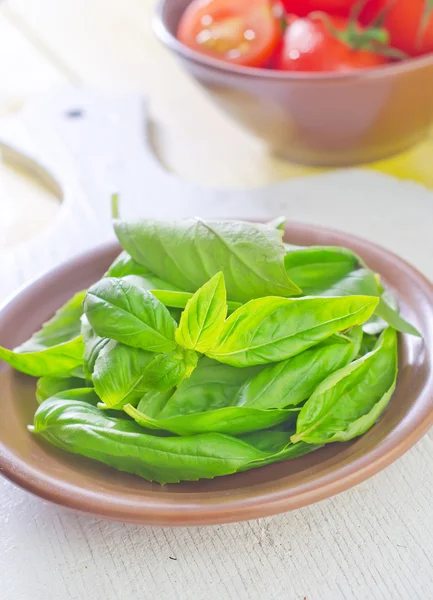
(361, 281)
(80, 428)
(176, 313)
(57, 360)
(93, 344)
(317, 268)
(292, 381)
(119, 374)
(188, 253)
(375, 324)
(367, 344)
(212, 385)
(365, 282)
(201, 402)
(204, 316)
(86, 395)
(124, 312)
(168, 370)
(350, 401)
(274, 329)
(266, 442)
(153, 402)
(392, 317)
(56, 348)
(231, 420)
(125, 266)
(174, 299)
(48, 386)
(268, 394)
(60, 329)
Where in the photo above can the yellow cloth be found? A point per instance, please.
(415, 164)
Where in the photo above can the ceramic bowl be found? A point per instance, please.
(324, 119)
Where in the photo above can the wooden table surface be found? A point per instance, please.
(372, 542)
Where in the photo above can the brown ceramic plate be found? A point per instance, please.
(91, 487)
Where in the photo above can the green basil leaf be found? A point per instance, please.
(166, 371)
(288, 452)
(204, 316)
(56, 348)
(375, 325)
(269, 440)
(93, 344)
(49, 386)
(212, 385)
(60, 329)
(273, 329)
(367, 344)
(124, 312)
(364, 281)
(392, 317)
(180, 299)
(119, 374)
(317, 268)
(152, 403)
(176, 313)
(268, 393)
(86, 395)
(350, 401)
(232, 420)
(361, 281)
(80, 428)
(56, 360)
(188, 253)
(201, 402)
(125, 267)
(292, 381)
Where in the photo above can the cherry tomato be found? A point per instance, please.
(302, 8)
(242, 32)
(371, 11)
(310, 45)
(404, 20)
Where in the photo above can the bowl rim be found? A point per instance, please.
(169, 40)
(265, 503)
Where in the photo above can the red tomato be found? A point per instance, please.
(404, 21)
(309, 45)
(242, 32)
(302, 8)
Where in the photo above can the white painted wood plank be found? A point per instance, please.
(23, 70)
(25, 206)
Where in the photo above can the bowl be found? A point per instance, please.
(322, 119)
(92, 487)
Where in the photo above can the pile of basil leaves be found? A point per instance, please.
(211, 347)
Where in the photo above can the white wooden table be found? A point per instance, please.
(372, 542)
